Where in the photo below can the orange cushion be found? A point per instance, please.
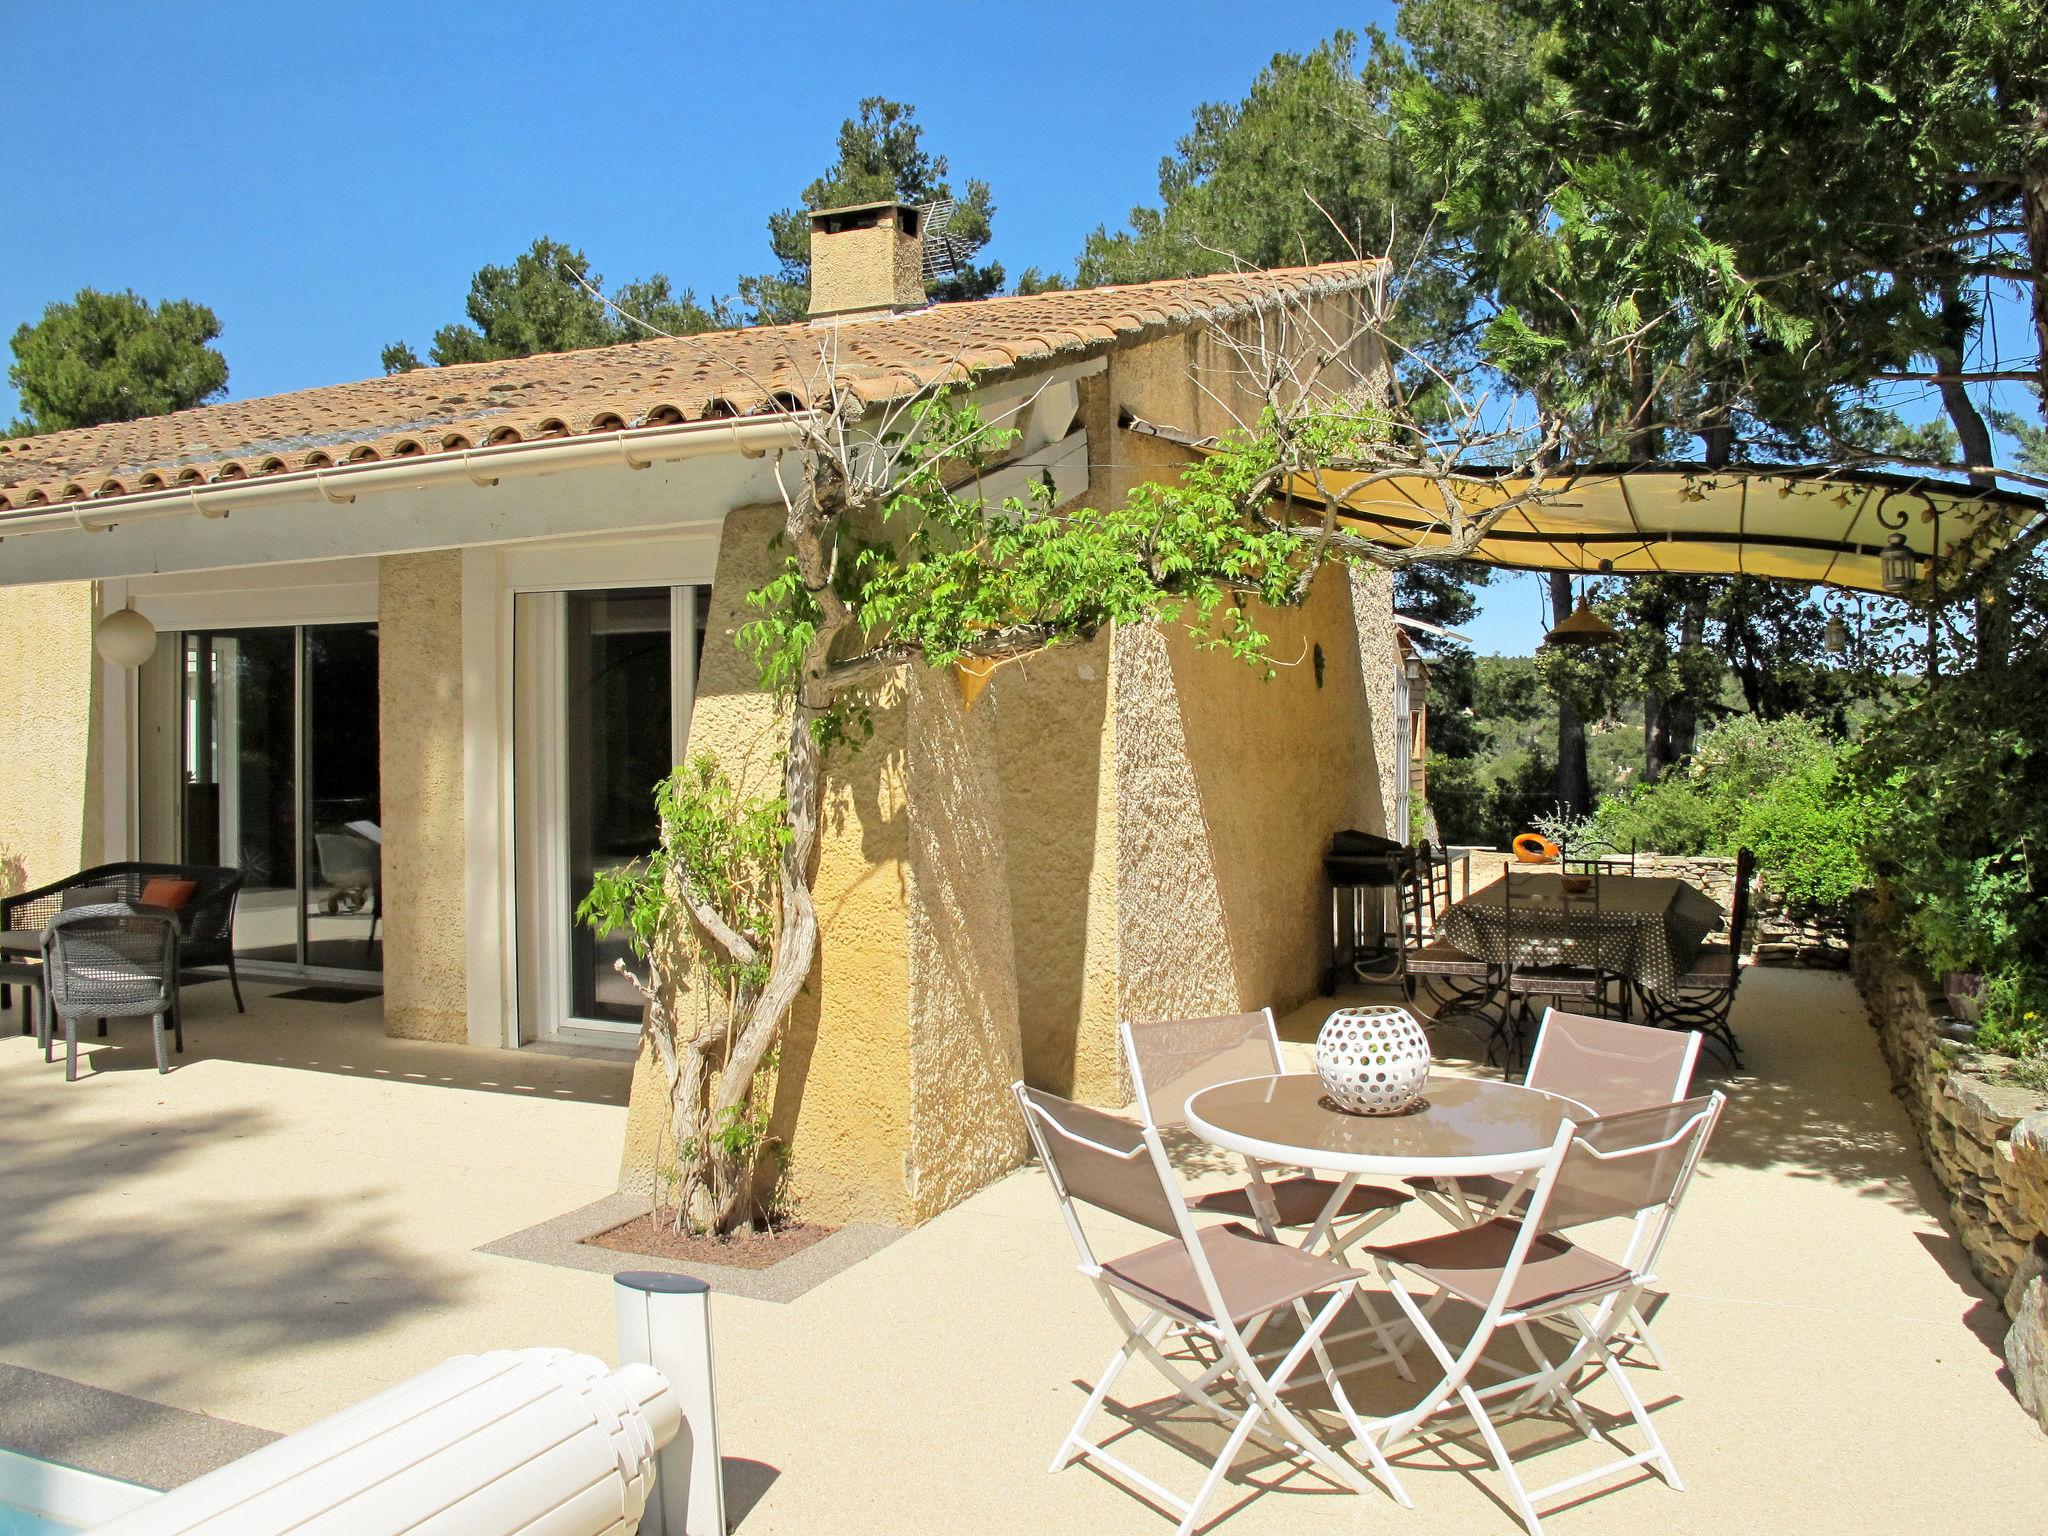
(165, 892)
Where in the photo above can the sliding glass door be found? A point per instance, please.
(602, 685)
(279, 760)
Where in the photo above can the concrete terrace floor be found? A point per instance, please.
(288, 1222)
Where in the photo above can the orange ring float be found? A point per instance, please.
(1534, 848)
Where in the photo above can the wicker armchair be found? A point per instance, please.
(206, 922)
(113, 961)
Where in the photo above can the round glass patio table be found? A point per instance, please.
(1469, 1126)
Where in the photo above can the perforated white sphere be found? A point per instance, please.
(1373, 1061)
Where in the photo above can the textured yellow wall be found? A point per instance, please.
(47, 678)
(965, 1049)
(1131, 827)
(419, 660)
(893, 1061)
(1055, 736)
(1228, 786)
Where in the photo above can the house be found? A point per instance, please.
(424, 643)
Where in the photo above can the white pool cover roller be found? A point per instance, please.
(531, 1442)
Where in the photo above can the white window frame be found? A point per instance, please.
(493, 577)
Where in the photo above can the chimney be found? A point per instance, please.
(866, 260)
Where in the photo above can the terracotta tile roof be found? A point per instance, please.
(646, 383)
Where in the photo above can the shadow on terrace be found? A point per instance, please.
(141, 1281)
(345, 1038)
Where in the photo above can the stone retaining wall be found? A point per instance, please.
(1986, 1139)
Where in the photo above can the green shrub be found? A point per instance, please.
(1957, 771)
(1774, 786)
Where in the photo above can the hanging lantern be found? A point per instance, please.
(973, 673)
(1584, 627)
(1835, 638)
(125, 638)
(1898, 567)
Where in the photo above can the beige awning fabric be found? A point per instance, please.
(1803, 525)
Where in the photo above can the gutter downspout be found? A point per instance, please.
(638, 447)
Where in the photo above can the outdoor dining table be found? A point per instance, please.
(1465, 1127)
(1650, 927)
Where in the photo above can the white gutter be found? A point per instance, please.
(637, 448)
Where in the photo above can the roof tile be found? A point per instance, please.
(667, 380)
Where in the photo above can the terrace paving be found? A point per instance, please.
(292, 1219)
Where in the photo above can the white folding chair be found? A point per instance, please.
(1202, 1292)
(1609, 1067)
(1519, 1270)
(1174, 1059)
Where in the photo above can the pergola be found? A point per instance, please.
(1808, 525)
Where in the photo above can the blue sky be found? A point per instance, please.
(328, 177)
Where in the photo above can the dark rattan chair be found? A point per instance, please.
(111, 961)
(206, 922)
(1704, 997)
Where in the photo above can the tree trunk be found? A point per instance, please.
(2034, 215)
(1642, 436)
(1656, 736)
(1681, 714)
(1994, 631)
(1574, 782)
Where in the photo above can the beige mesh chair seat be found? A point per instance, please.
(1436, 958)
(1174, 1059)
(1254, 1275)
(1609, 1067)
(1190, 1306)
(1519, 1271)
(1470, 1263)
(1300, 1201)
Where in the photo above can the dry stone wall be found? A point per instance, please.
(1985, 1137)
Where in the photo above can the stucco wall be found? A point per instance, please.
(1056, 739)
(48, 817)
(1229, 786)
(419, 629)
(965, 1048)
(888, 1072)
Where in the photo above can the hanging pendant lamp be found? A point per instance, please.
(1584, 627)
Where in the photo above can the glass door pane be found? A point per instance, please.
(240, 806)
(617, 731)
(344, 850)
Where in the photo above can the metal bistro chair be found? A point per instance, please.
(1454, 982)
(1704, 997)
(1204, 1295)
(1174, 1059)
(113, 961)
(1604, 859)
(1516, 1271)
(1591, 956)
(1606, 1065)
